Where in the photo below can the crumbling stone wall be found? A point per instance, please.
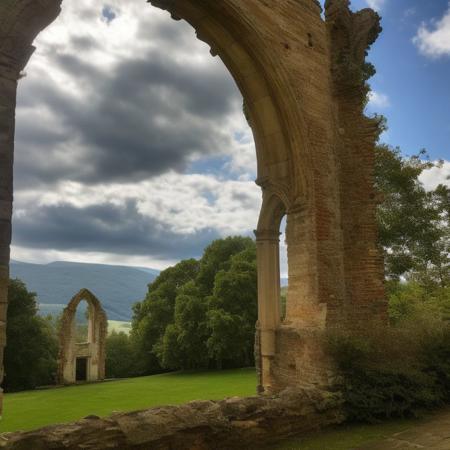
(94, 350)
(250, 423)
(303, 83)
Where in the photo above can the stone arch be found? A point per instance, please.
(93, 351)
(303, 82)
(279, 128)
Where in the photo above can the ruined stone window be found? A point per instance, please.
(83, 319)
(82, 342)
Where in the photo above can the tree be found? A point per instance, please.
(201, 314)
(119, 356)
(217, 257)
(156, 312)
(32, 345)
(413, 223)
(185, 341)
(233, 312)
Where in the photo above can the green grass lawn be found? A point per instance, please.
(34, 409)
(118, 326)
(346, 437)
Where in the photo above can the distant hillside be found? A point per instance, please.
(117, 287)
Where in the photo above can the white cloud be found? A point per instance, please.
(433, 40)
(378, 100)
(181, 204)
(437, 175)
(376, 4)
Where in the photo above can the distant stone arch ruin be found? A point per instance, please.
(303, 78)
(83, 361)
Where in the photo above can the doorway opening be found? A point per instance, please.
(81, 369)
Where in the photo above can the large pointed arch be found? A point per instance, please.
(234, 33)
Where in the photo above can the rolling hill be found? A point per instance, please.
(117, 287)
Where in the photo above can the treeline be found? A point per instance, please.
(198, 314)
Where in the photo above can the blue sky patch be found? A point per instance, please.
(108, 13)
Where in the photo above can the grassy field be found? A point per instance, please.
(118, 326)
(34, 409)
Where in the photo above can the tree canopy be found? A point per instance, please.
(414, 226)
(200, 314)
(32, 346)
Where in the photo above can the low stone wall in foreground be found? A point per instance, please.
(235, 423)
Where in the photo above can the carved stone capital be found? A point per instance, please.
(267, 235)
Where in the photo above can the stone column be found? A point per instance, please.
(269, 313)
(8, 88)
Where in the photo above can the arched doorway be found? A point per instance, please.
(82, 361)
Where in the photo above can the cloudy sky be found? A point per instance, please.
(131, 144)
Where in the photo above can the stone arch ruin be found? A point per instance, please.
(303, 79)
(86, 358)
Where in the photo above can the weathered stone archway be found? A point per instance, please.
(303, 83)
(93, 350)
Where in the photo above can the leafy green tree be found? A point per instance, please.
(156, 312)
(32, 345)
(119, 356)
(185, 343)
(200, 314)
(217, 257)
(433, 268)
(413, 223)
(233, 312)
(167, 349)
(413, 302)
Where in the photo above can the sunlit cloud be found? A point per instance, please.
(433, 39)
(379, 100)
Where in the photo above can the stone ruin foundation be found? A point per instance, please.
(82, 361)
(303, 79)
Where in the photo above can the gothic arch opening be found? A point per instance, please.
(83, 320)
(82, 361)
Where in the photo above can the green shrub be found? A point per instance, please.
(393, 372)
